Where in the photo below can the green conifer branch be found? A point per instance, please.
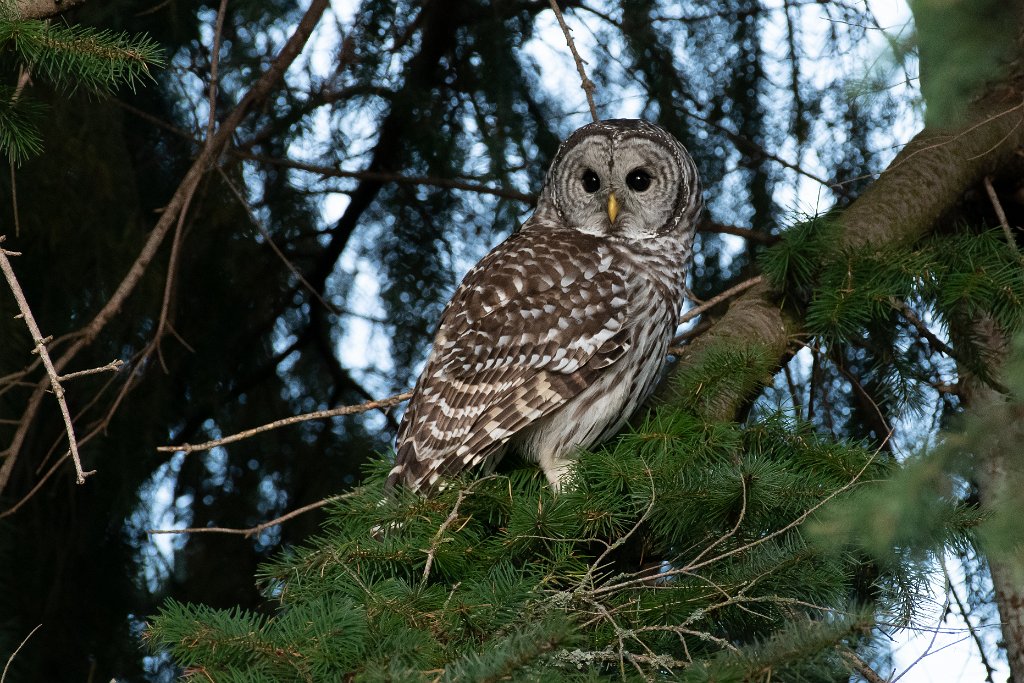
(71, 57)
(19, 135)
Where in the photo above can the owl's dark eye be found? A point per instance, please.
(591, 183)
(638, 180)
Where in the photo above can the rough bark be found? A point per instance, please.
(41, 9)
(1000, 476)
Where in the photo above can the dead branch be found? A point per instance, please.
(237, 192)
(3, 676)
(1003, 223)
(719, 298)
(860, 666)
(112, 366)
(989, 669)
(436, 542)
(251, 531)
(336, 172)
(746, 233)
(911, 317)
(585, 83)
(40, 347)
(382, 404)
(696, 564)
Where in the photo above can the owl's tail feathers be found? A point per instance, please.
(394, 477)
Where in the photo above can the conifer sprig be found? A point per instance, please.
(72, 57)
(69, 58)
(19, 135)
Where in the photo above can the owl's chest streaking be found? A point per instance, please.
(654, 282)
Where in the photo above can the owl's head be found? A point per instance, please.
(624, 178)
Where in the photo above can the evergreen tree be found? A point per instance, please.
(294, 184)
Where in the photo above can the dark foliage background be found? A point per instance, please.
(360, 170)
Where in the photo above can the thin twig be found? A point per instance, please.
(40, 348)
(251, 531)
(736, 526)
(214, 63)
(235, 190)
(384, 403)
(676, 349)
(933, 341)
(3, 676)
(587, 578)
(745, 233)
(112, 366)
(989, 669)
(334, 171)
(860, 666)
(931, 643)
(436, 542)
(38, 485)
(24, 78)
(585, 83)
(998, 207)
(711, 303)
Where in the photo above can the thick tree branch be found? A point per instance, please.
(891, 212)
(41, 9)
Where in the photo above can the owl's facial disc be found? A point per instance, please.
(623, 185)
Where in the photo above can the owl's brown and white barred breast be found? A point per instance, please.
(557, 336)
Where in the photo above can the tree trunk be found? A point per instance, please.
(1000, 477)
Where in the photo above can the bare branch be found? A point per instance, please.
(585, 83)
(40, 348)
(587, 578)
(745, 233)
(251, 531)
(218, 30)
(998, 207)
(35, 489)
(989, 669)
(436, 542)
(3, 676)
(235, 190)
(719, 298)
(696, 564)
(335, 172)
(933, 341)
(860, 666)
(112, 366)
(382, 404)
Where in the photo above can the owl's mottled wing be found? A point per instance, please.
(531, 326)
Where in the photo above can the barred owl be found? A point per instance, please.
(559, 333)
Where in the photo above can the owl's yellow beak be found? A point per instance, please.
(613, 207)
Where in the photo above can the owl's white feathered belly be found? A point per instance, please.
(600, 410)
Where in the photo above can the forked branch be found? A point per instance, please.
(39, 342)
